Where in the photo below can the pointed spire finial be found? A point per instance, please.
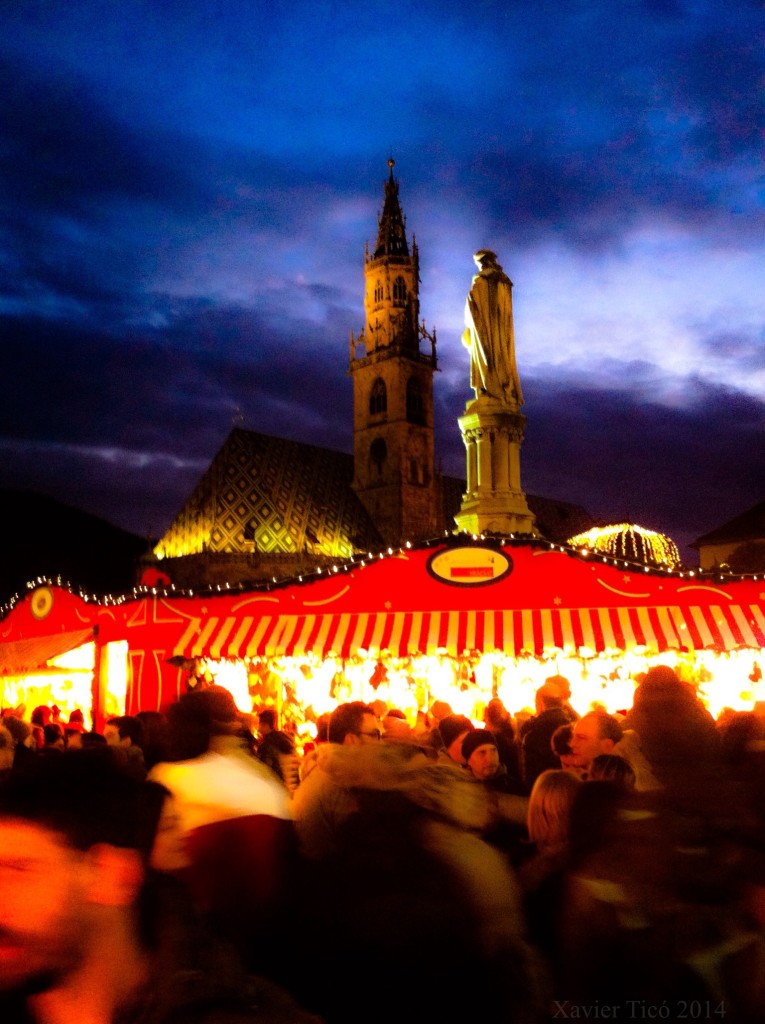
(391, 226)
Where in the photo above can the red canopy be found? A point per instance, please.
(518, 599)
(50, 621)
(457, 599)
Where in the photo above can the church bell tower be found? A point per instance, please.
(393, 387)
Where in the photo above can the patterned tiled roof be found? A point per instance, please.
(272, 495)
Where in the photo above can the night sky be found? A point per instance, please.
(186, 189)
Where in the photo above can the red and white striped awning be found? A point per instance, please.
(18, 657)
(514, 632)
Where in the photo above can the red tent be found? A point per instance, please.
(475, 598)
(454, 597)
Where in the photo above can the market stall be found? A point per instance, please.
(457, 620)
(51, 654)
(461, 621)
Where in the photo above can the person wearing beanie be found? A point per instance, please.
(479, 749)
(453, 729)
(481, 753)
(507, 829)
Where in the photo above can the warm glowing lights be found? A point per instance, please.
(730, 680)
(304, 687)
(114, 669)
(67, 683)
(232, 675)
(81, 658)
(573, 548)
(626, 540)
(182, 541)
(66, 690)
(194, 542)
(307, 687)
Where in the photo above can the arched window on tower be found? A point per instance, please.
(415, 401)
(378, 291)
(378, 398)
(399, 292)
(378, 453)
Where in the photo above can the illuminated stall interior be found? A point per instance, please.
(722, 662)
(52, 654)
(67, 682)
(302, 688)
(395, 628)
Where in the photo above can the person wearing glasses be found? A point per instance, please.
(321, 806)
(353, 723)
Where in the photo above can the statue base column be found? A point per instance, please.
(494, 501)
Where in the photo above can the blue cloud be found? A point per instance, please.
(186, 199)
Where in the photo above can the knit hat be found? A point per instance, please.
(451, 727)
(475, 739)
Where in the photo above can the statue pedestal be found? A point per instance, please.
(494, 501)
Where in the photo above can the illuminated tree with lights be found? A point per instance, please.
(631, 543)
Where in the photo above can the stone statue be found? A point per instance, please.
(489, 334)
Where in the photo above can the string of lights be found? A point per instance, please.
(626, 540)
(601, 543)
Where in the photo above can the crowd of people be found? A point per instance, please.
(198, 867)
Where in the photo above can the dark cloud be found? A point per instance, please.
(745, 348)
(719, 83)
(592, 197)
(666, 9)
(98, 205)
(682, 468)
(603, 121)
(79, 187)
(138, 491)
(96, 402)
(213, 362)
(83, 388)
(185, 202)
(66, 153)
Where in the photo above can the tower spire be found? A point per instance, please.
(391, 234)
(393, 387)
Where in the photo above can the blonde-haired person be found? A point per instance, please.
(542, 876)
(550, 807)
